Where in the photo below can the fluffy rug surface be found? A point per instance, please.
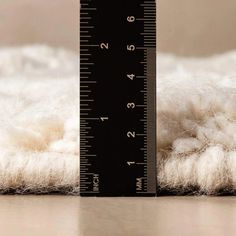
(38, 120)
(196, 118)
(39, 125)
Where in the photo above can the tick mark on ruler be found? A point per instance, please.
(90, 45)
(88, 9)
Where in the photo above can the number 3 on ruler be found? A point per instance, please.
(131, 105)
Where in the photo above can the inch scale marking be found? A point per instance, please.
(117, 98)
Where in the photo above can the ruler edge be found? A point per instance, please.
(151, 127)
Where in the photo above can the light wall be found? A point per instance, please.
(53, 22)
(185, 27)
(196, 27)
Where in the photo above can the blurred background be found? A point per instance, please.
(185, 27)
(196, 27)
(52, 22)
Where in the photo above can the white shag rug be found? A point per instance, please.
(39, 125)
(38, 120)
(197, 124)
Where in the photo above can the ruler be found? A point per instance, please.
(117, 98)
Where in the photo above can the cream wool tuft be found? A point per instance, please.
(38, 120)
(196, 116)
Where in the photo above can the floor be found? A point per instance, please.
(75, 216)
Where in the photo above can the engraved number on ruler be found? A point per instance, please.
(104, 46)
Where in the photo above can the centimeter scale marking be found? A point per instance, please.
(117, 98)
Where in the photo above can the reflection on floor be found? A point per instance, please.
(73, 216)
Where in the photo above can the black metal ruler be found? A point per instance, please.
(117, 98)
